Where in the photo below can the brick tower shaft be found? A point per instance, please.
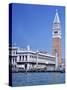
(56, 37)
(57, 48)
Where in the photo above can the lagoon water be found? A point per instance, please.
(40, 78)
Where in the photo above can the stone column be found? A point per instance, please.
(56, 62)
(28, 58)
(37, 58)
(17, 61)
(18, 58)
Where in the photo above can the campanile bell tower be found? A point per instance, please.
(56, 37)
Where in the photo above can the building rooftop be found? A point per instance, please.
(29, 50)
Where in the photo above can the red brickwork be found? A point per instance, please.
(57, 47)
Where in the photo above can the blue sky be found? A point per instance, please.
(32, 25)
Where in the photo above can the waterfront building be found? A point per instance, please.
(27, 59)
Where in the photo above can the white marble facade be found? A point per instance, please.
(29, 59)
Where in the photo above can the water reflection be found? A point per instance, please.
(23, 79)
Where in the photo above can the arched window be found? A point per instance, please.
(26, 57)
(19, 58)
(23, 58)
(56, 32)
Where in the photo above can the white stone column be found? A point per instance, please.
(37, 59)
(18, 58)
(28, 58)
(21, 58)
(56, 62)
